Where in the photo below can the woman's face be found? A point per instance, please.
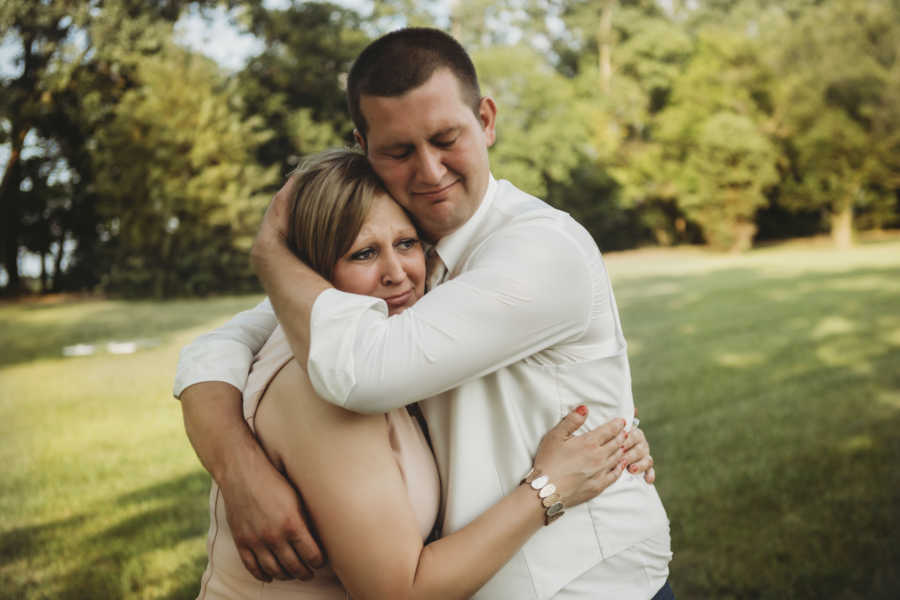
(386, 259)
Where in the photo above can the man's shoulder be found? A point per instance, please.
(512, 202)
(523, 230)
(516, 209)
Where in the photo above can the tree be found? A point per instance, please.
(296, 85)
(715, 149)
(181, 194)
(837, 109)
(72, 60)
(40, 32)
(540, 131)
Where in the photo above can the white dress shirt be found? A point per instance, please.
(524, 328)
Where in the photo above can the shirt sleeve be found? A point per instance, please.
(523, 290)
(226, 353)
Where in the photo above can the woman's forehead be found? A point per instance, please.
(385, 215)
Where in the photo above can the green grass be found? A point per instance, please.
(769, 385)
(100, 494)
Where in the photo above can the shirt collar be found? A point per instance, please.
(452, 247)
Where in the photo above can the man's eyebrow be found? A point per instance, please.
(447, 131)
(393, 146)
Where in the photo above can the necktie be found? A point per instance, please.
(435, 269)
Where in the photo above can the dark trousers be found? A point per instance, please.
(664, 593)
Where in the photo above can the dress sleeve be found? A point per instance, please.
(526, 288)
(225, 354)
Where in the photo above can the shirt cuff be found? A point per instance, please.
(334, 325)
(225, 360)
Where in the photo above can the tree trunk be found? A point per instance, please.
(44, 287)
(842, 227)
(743, 237)
(10, 221)
(57, 263)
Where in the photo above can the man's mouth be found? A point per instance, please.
(435, 194)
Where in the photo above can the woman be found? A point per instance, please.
(371, 483)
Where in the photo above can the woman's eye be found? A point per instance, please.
(408, 243)
(364, 254)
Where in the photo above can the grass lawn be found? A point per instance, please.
(769, 385)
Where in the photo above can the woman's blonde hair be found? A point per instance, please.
(335, 194)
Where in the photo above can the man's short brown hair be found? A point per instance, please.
(403, 60)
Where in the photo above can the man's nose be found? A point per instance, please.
(431, 166)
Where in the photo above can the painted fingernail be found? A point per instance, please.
(581, 410)
(633, 469)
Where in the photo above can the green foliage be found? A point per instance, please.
(837, 109)
(540, 133)
(74, 60)
(296, 85)
(712, 130)
(721, 121)
(727, 167)
(181, 192)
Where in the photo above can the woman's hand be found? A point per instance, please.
(582, 466)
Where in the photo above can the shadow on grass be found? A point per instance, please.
(123, 558)
(773, 405)
(34, 331)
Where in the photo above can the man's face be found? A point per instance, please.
(431, 151)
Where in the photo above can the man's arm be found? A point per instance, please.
(225, 354)
(524, 291)
(263, 509)
(526, 297)
(455, 318)
(291, 285)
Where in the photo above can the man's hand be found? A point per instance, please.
(268, 523)
(263, 510)
(273, 231)
(637, 455)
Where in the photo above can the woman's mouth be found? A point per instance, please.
(398, 300)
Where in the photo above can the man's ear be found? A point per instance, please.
(487, 114)
(360, 139)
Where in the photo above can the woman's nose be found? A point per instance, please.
(393, 272)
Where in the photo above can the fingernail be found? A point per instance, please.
(623, 422)
(633, 469)
(581, 410)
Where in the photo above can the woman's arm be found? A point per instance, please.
(356, 496)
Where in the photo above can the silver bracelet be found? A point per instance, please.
(550, 500)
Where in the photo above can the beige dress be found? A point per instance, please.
(227, 578)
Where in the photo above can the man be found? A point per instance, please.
(525, 326)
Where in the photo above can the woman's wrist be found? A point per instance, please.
(545, 491)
